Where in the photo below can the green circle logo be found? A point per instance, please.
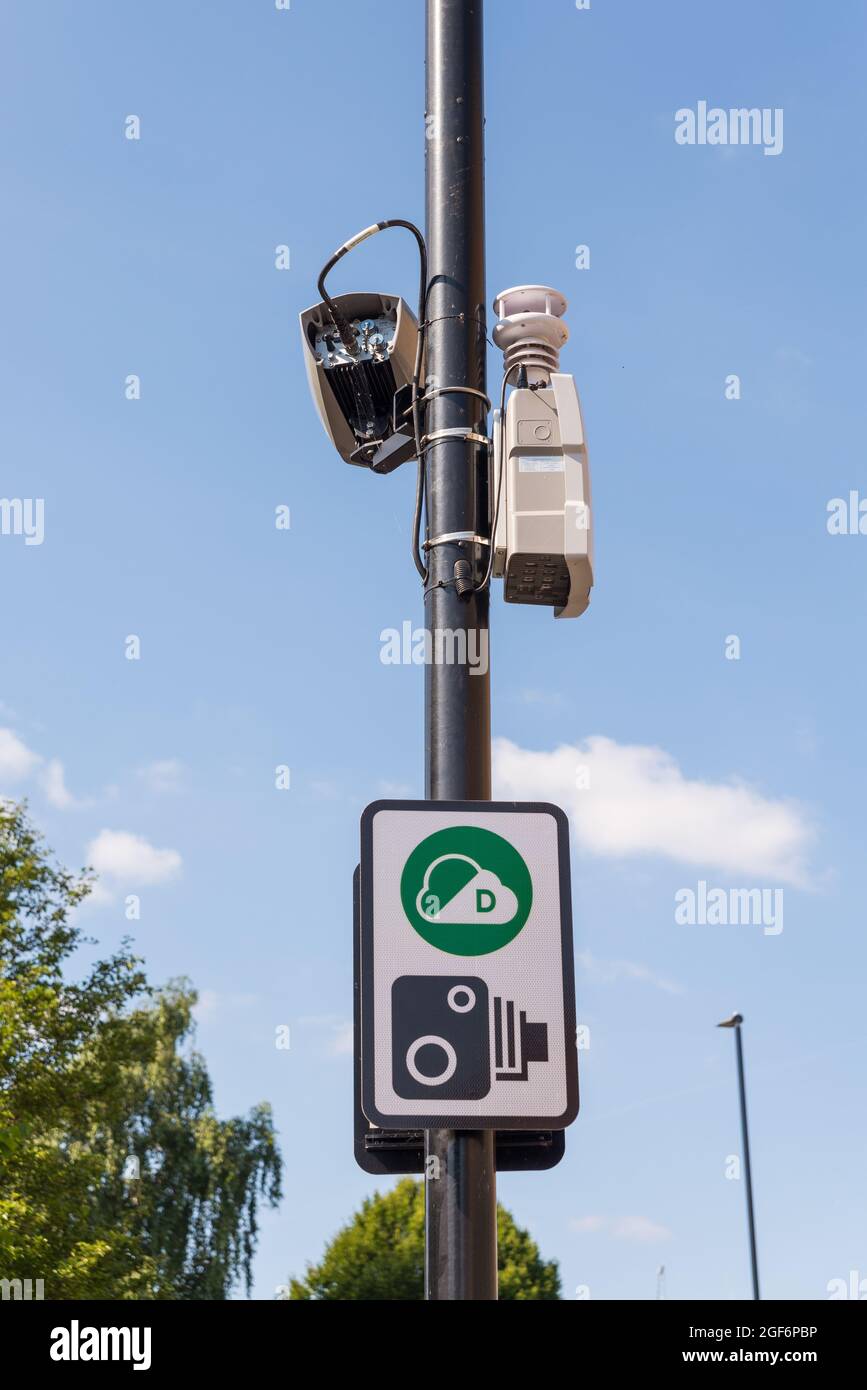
(466, 890)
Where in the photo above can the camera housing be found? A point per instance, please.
(543, 547)
(354, 395)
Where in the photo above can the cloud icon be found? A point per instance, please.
(458, 891)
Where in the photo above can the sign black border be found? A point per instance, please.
(420, 1121)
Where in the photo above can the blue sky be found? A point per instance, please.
(261, 647)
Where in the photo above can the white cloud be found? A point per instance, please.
(637, 1228)
(631, 799)
(206, 1005)
(57, 793)
(130, 859)
(589, 1223)
(99, 896)
(339, 1032)
(610, 971)
(163, 776)
(17, 761)
(211, 1002)
(640, 1228)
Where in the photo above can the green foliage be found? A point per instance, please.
(523, 1274)
(380, 1255)
(97, 1086)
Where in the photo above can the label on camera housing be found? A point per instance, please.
(466, 967)
(541, 463)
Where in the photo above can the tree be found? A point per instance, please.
(117, 1179)
(379, 1254)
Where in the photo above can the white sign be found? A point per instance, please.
(467, 984)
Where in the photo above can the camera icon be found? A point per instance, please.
(441, 1038)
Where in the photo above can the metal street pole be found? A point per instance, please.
(747, 1169)
(735, 1022)
(460, 1174)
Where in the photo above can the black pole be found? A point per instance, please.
(460, 1176)
(747, 1170)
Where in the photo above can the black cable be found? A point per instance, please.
(347, 337)
(416, 518)
(416, 382)
(344, 329)
(487, 579)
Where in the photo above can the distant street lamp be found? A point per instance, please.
(735, 1022)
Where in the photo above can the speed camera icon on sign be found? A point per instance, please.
(443, 1042)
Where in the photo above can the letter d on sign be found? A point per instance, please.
(485, 906)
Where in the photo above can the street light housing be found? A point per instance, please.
(354, 391)
(734, 1022)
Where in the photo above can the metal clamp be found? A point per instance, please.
(451, 536)
(460, 432)
(453, 391)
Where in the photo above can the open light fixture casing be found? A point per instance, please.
(355, 395)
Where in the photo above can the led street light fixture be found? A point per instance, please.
(363, 354)
(356, 367)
